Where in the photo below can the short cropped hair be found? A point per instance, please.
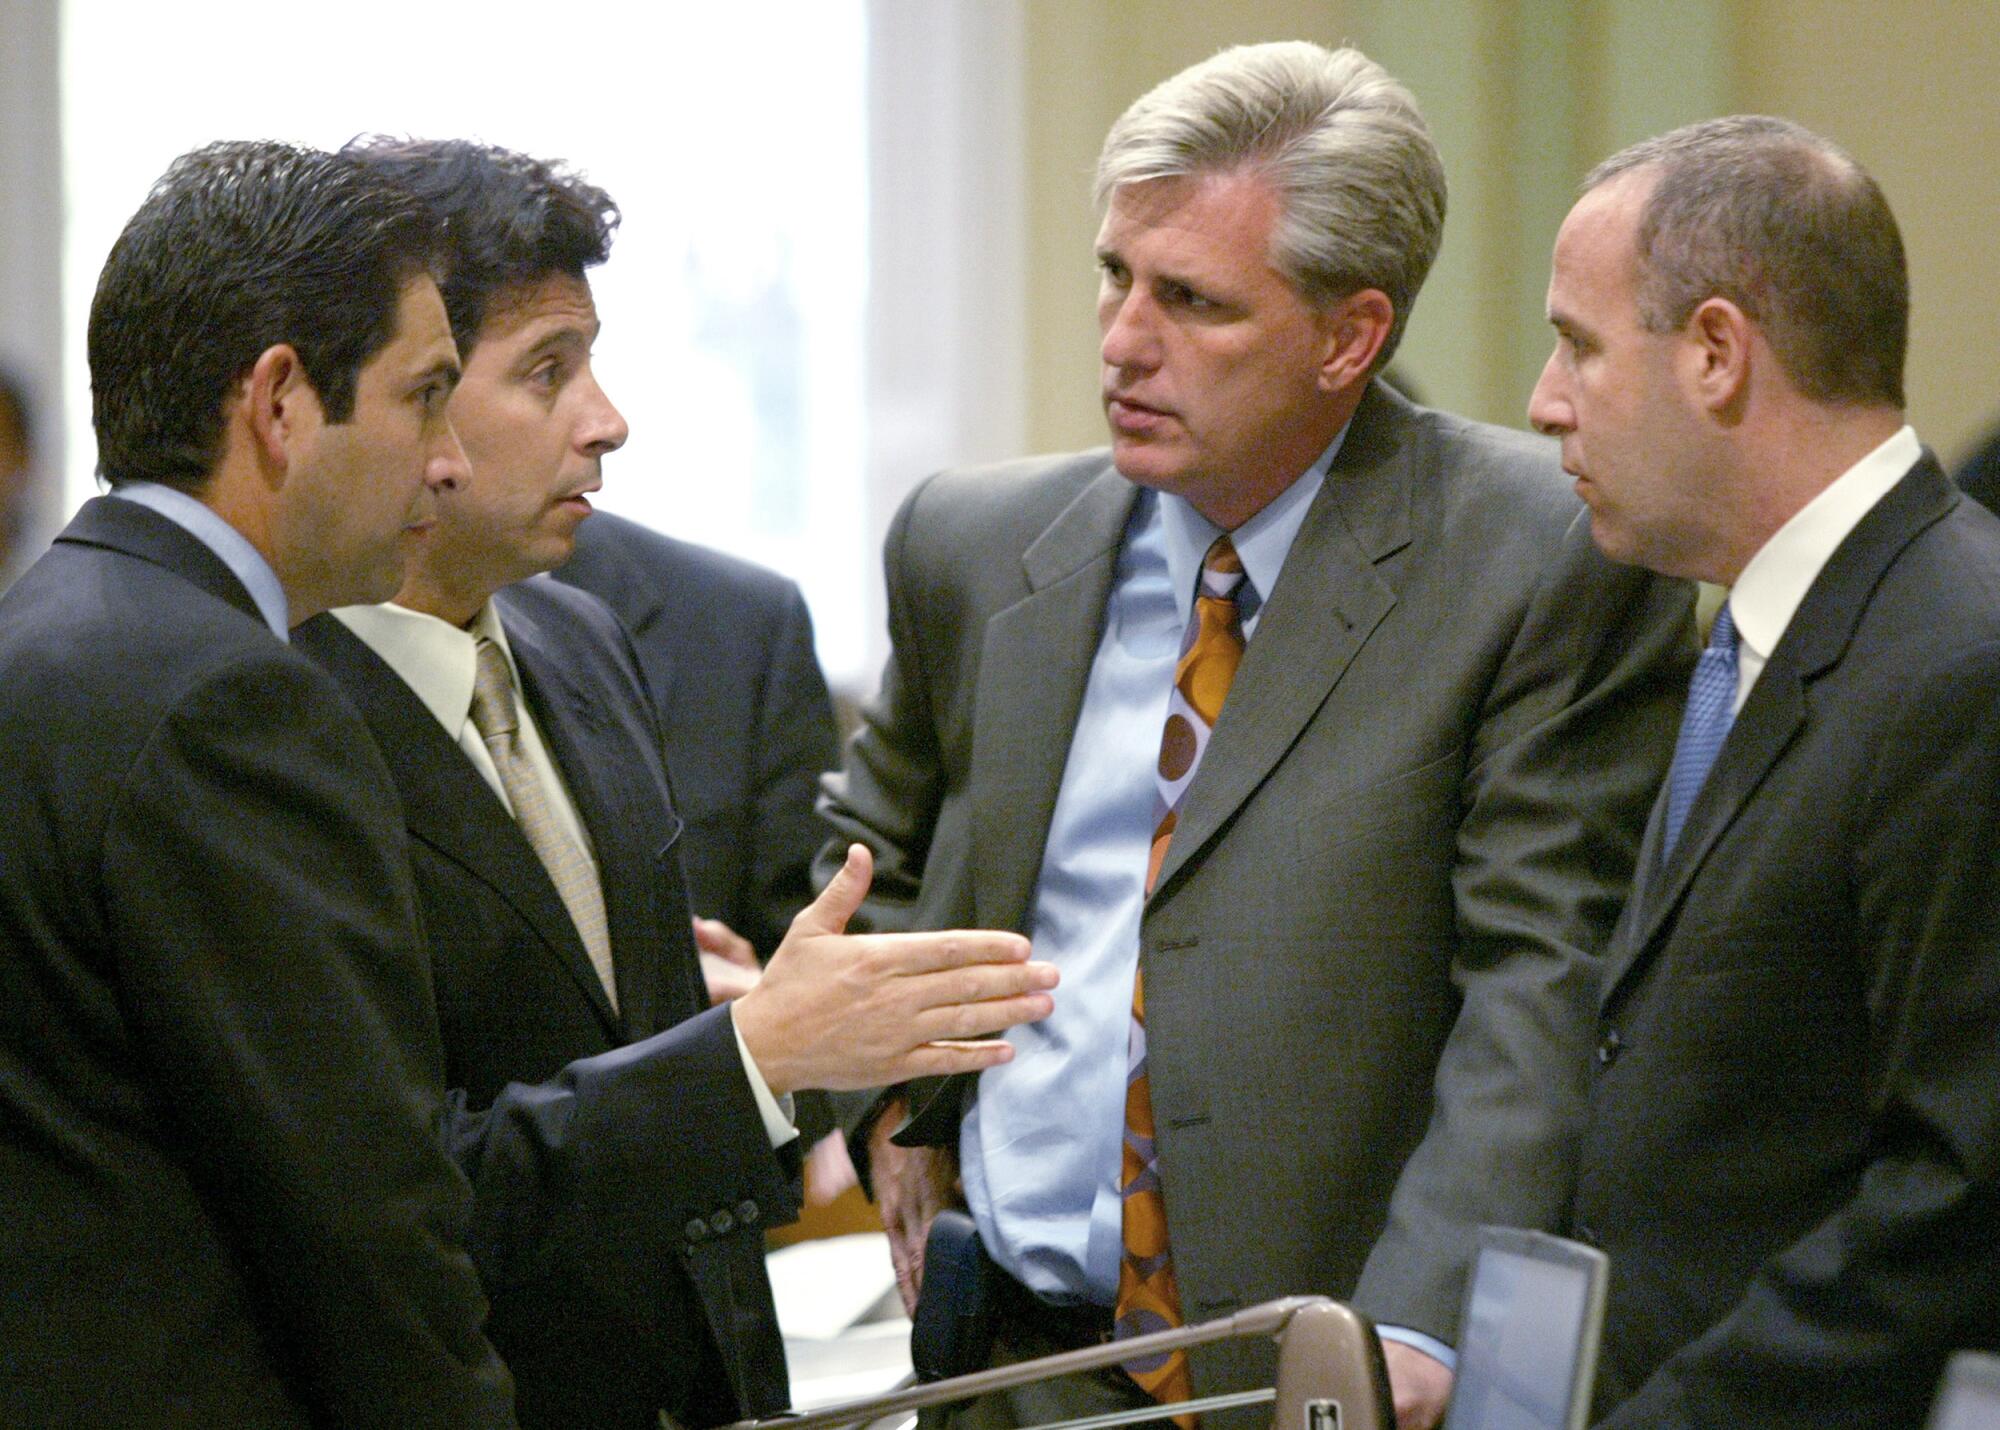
(1784, 224)
(239, 247)
(510, 221)
(1360, 185)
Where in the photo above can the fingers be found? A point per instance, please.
(843, 894)
(713, 936)
(725, 980)
(955, 1055)
(1421, 1384)
(916, 954)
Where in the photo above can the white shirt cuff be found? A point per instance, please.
(776, 1111)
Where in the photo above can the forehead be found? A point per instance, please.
(527, 312)
(1597, 248)
(1212, 222)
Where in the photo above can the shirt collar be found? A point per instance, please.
(1262, 542)
(231, 547)
(436, 659)
(1771, 586)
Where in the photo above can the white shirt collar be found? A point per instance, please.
(436, 659)
(1768, 592)
(231, 547)
(1262, 542)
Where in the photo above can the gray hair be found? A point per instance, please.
(1784, 224)
(1359, 182)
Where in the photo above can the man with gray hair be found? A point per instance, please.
(1793, 1153)
(1327, 950)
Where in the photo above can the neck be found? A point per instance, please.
(1792, 461)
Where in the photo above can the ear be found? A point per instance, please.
(280, 405)
(1716, 354)
(1356, 327)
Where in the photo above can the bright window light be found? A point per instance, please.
(733, 137)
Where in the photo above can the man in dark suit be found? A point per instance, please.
(545, 840)
(219, 1067)
(1367, 922)
(1793, 1155)
(727, 651)
(1978, 476)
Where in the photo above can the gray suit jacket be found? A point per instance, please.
(1793, 1155)
(1370, 954)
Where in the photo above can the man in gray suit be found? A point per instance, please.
(1368, 921)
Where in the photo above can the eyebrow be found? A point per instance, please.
(443, 370)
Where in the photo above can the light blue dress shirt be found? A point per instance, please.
(230, 546)
(1039, 1149)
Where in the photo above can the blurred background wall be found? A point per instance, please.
(985, 119)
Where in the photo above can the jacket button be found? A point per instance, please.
(722, 1223)
(747, 1213)
(696, 1229)
(1609, 1047)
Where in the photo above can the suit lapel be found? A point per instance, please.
(449, 807)
(1032, 672)
(1776, 712)
(1329, 600)
(574, 729)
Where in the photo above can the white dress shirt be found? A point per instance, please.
(438, 661)
(1770, 587)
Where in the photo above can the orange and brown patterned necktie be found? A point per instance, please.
(1148, 1297)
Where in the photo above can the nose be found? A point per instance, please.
(604, 428)
(1130, 341)
(1549, 410)
(446, 469)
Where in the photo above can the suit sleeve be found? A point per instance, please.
(796, 740)
(260, 908)
(1852, 1322)
(1569, 748)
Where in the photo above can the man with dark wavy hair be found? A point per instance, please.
(548, 870)
(219, 1066)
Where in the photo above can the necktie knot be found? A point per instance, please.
(1722, 635)
(493, 711)
(1221, 569)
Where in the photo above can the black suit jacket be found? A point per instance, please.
(620, 1200)
(1793, 1155)
(219, 1066)
(727, 651)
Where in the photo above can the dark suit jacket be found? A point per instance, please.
(1978, 476)
(621, 1201)
(219, 1065)
(1794, 1148)
(727, 651)
(1408, 839)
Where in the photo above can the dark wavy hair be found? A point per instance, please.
(510, 221)
(242, 246)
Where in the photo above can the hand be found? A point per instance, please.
(1420, 1384)
(835, 1010)
(728, 964)
(912, 1185)
(829, 1170)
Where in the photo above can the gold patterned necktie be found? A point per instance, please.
(499, 725)
(1148, 1295)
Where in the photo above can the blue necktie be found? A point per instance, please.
(1711, 709)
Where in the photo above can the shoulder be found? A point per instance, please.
(968, 512)
(1502, 476)
(640, 572)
